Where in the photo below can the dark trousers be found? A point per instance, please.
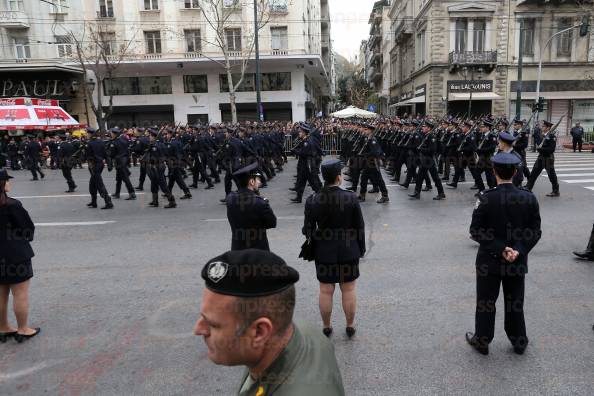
(176, 177)
(465, 161)
(487, 292)
(96, 184)
(355, 171)
(228, 181)
(156, 175)
(123, 176)
(199, 170)
(577, 143)
(67, 173)
(142, 176)
(428, 168)
(304, 176)
(14, 162)
(373, 174)
(541, 163)
(34, 168)
(485, 166)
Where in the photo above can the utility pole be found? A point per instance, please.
(259, 110)
(520, 66)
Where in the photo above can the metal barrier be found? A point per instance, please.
(331, 143)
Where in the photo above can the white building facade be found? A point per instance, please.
(170, 70)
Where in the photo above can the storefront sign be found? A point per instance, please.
(420, 90)
(470, 86)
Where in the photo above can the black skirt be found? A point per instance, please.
(337, 273)
(13, 273)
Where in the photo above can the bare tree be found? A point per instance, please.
(237, 48)
(100, 50)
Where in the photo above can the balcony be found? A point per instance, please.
(374, 73)
(14, 19)
(404, 28)
(487, 59)
(375, 55)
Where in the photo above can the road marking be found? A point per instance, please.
(572, 174)
(59, 196)
(578, 181)
(74, 223)
(278, 218)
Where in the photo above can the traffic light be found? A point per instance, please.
(584, 28)
(539, 106)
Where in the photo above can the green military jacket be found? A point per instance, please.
(307, 366)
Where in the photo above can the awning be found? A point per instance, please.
(556, 95)
(418, 99)
(475, 96)
(27, 113)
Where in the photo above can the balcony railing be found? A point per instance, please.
(13, 19)
(403, 28)
(473, 58)
(374, 73)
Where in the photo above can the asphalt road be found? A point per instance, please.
(117, 295)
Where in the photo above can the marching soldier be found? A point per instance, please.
(232, 152)
(120, 154)
(32, 154)
(485, 150)
(65, 160)
(249, 214)
(175, 161)
(306, 152)
(546, 160)
(521, 145)
(506, 224)
(372, 153)
(96, 154)
(141, 147)
(13, 155)
(465, 158)
(156, 170)
(427, 151)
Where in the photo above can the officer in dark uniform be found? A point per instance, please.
(372, 152)
(506, 224)
(13, 155)
(175, 161)
(246, 318)
(65, 161)
(249, 214)
(96, 155)
(306, 162)
(231, 154)
(33, 154)
(141, 147)
(485, 150)
(427, 152)
(520, 132)
(546, 160)
(119, 155)
(156, 170)
(506, 145)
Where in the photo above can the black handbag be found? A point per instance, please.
(308, 251)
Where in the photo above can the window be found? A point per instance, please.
(193, 42)
(195, 84)
(16, 5)
(64, 45)
(278, 5)
(108, 42)
(279, 38)
(60, 6)
(248, 84)
(276, 81)
(461, 32)
(233, 37)
(137, 86)
(192, 3)
(106, 8)
(151, 5)
(564, 41)
(478, 36)
(153, 42)
(231, 3)
(22, 50)
(421, 48)
(527, 46)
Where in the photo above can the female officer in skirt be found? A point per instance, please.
(16, 231)
(334, 224)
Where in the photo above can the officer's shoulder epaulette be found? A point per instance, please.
(490, 190)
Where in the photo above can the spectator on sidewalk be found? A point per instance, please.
(577, 134)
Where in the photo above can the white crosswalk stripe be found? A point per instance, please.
(572, 168)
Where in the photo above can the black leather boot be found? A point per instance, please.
(588, 254)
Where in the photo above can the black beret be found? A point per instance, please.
(506, 137)
(248, 273)
(506, 159)
(115, 130)
(488, 123)
(331, 169)
(248, 171)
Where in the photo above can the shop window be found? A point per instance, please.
(276, 81)
(150, 85)
(195, 84)
(247, 85)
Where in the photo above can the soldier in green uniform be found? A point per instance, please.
(246, 318)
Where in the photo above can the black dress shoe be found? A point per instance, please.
(115, 196)
(107, 206)
(414, 196)
(92, 205)
(350, 332)
(554, 194)
(403, 185)
(224, 200)
(22, 337)
(382, 200)
(440, 197)
(187, 196)
(327, 331)
(132, 197)
(153, 204)
(484, 350)
(209, 187)
(69, 191)
(519, 350)
(428, 189)
(452, 185)
(296, 200)
(374, 191)
(5, 336)
(170, 205)
(586, 255)
(194, 186)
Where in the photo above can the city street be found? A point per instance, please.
(117, 294)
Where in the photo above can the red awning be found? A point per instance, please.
(29, 113)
